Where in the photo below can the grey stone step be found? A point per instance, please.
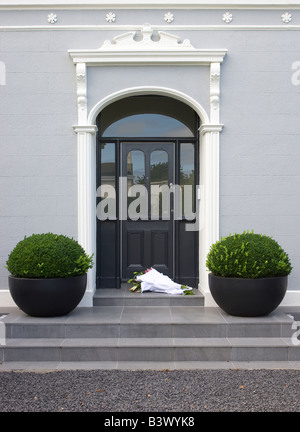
(146, 322)
(148, 333)
(158, 350)
(124, 297)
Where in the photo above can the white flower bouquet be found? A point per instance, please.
(152, 280)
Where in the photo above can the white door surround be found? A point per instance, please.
(168, 50)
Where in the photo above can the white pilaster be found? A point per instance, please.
(86, 204)
(209, 180)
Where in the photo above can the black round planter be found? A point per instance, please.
(47, 297)
(248, 297)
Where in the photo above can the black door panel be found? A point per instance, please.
(147, 233)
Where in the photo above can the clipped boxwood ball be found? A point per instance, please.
(48, 256)
(248, 255)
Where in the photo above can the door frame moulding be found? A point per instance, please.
(167, 50)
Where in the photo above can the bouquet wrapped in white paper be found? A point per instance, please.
(154, 281)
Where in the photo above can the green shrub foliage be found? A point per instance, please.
(47, 256)
(248, 255)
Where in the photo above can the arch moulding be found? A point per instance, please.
(148, 49)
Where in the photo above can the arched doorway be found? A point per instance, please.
(147, 173)
(168, 51)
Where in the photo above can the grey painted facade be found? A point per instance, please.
(259, 108)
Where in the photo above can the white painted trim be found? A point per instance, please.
(209, 166)
(209, 27)
(86, 199)
(123, 51)
(148, 4)
(163, 57)
(209, 210)
(209, 170)
(146, 90)
(81, 93)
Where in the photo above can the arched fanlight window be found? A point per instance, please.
(148, 116)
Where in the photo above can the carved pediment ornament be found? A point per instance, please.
(146, 39)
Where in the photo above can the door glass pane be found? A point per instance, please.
(135, 168)
(106, 196)
(136, 176)
(187, 178)
(108, 165)
(159, 184)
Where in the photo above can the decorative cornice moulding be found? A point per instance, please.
(187, 19)
(191, 28)
(149, 4)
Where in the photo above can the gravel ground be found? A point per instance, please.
(151, 391)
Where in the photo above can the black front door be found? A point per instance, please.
(147, 225)
(147, 156)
